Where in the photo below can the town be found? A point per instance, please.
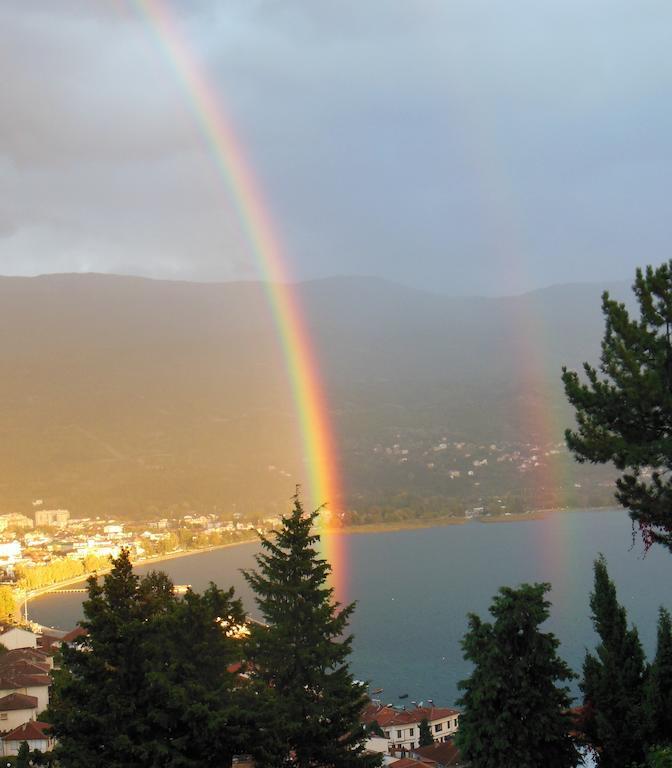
(51, 548)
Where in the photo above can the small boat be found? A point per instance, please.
(376, 691)
(403, 695)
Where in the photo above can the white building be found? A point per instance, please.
(14, 520)
(52, 518)
(17, 709)
(32, 732)
(15, 637)
(402, 727)
(29, 685)
(10, 552)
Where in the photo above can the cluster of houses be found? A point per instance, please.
(27, 661)
(395, 733)
(25, 679)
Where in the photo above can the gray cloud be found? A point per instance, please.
(471, 146)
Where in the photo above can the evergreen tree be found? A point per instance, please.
(625, 415)
(302, 653)
(148, 684)
(658, 698)
(426, 738)
(514, 712)
(660, 758)
(613, 680)
(23, 756)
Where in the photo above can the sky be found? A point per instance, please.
(465, 146)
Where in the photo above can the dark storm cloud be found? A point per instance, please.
(469, 146)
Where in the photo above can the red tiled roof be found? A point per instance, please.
(34, 654)
(389, 717)
(17, 701)
(15, 667)
(436, 713)
(444, 752)
(19, 680)
(409, 762)
(73, 634)
(33, 730)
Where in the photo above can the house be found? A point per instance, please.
(33, 732)
(17, 709)
(25, 657)
(409, 762)
(73, 635)
(30, 685)
(444, 754)
(375, 743)
(14, 637)
(402, 727)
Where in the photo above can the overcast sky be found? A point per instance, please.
(466, 146)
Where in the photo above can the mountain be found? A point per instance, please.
(129, 396)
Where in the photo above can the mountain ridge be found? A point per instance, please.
(130, 396)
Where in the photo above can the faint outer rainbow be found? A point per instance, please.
(236, 172)
(538, 416)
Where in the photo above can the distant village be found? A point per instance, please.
(416, 474)
(51, 548)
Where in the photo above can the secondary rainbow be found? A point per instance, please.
(303, 371)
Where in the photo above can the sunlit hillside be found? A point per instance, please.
(128, 396)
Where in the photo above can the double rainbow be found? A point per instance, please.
(237, 174)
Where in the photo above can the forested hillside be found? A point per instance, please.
(129, 396)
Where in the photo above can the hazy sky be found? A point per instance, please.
(467, 146)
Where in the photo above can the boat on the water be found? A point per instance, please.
(376, 691)
(403, 695)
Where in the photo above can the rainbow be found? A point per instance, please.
(253, 211)
(539, 415)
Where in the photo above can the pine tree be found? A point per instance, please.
(148, 684)
(514, 712)
(660, 758)
(426, 738)
(658, 691)
(625, 415)
(23, 756)
(613, 680)
(302, 652)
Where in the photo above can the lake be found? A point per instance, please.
(414, 589)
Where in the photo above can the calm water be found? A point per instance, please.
(415, 588)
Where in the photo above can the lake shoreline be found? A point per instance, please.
(44, 591)
(368, 529)
(441, 522)
(415, 590)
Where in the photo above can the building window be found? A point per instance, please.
(3, 715)
(398, 734)
(410, 732)
(412, 745)
(455, 723)
(438, 727)
(387, 734)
